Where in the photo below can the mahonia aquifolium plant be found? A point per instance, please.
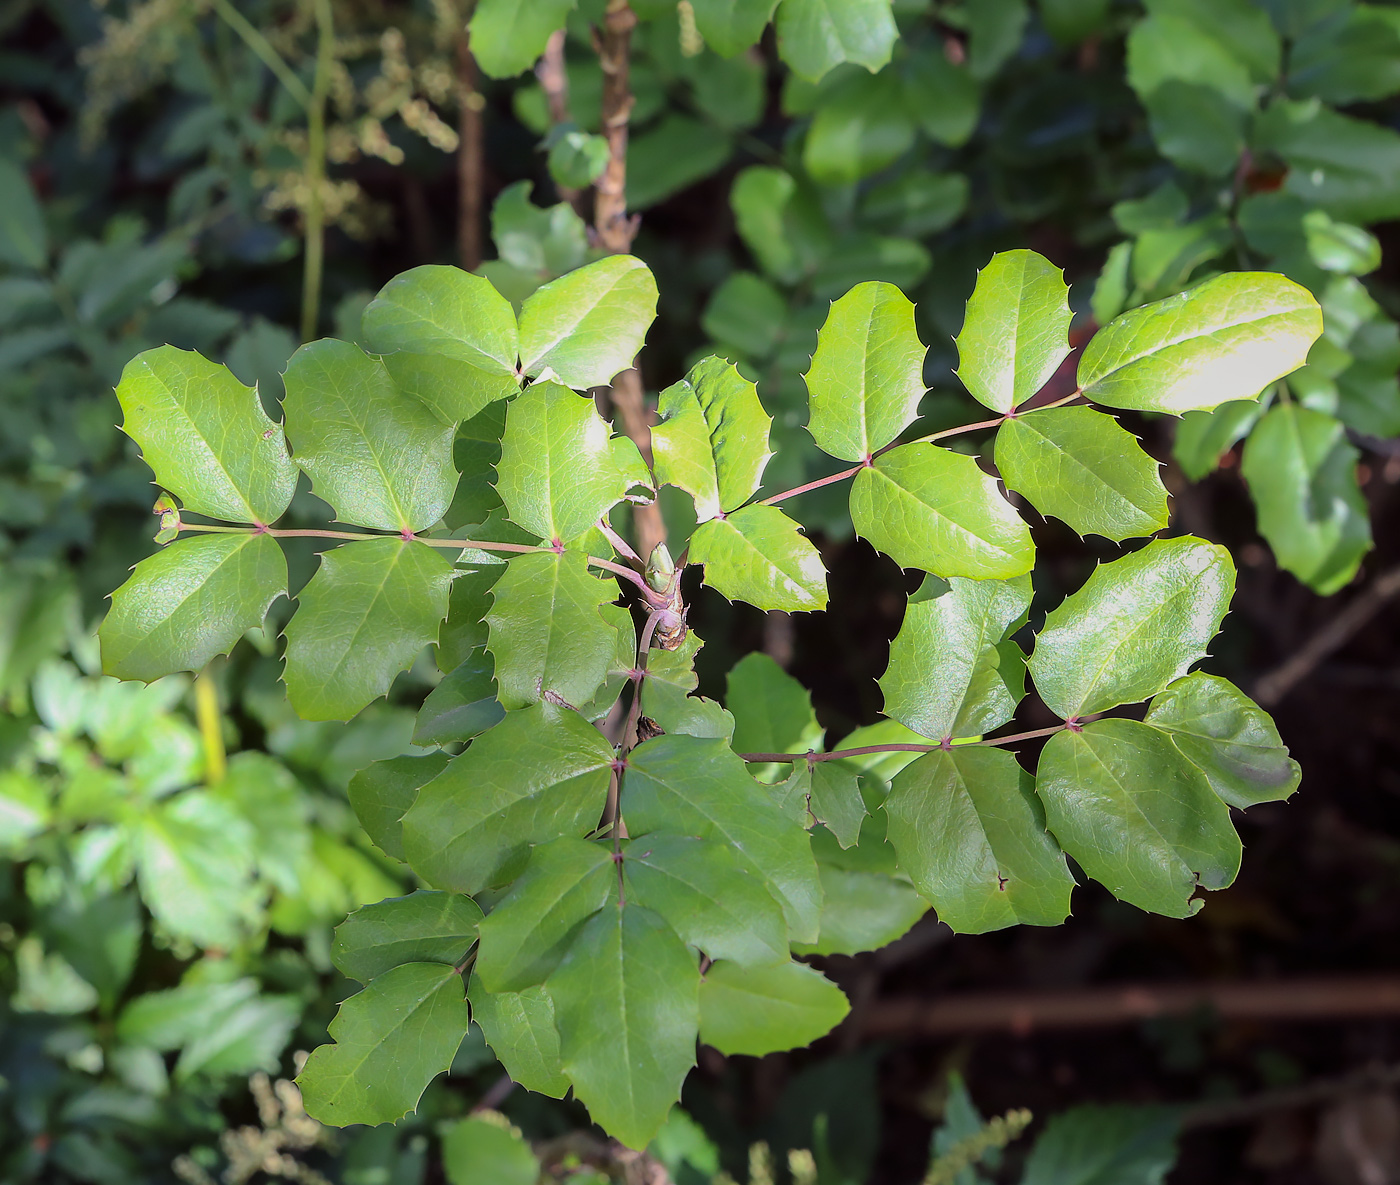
(616, 900)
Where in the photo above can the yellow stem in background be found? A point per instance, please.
(316, 169)
(211, 727)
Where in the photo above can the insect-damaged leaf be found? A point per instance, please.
(1137, 815)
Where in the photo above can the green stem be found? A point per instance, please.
(316, 169)
(861, 751)
(958, 431)
(211, 732)
(450, 544)
(268, 55)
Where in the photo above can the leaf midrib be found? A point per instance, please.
(167, 623)
(452, 336)
(203, 440)
(370, 444)
(962, 531)
(1186, 337)
(351, 1077)
(572, 327)
(1139, 625)
(1027, 424)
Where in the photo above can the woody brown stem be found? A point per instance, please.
(614, 231)
(469, 157)
(554, 81)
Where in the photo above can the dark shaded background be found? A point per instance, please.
(1318, 890)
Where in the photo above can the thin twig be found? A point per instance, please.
(497, 1095)
(618, 541)
(614, 231)
(265, 51)
(1272, 687)
(814, 485)
(553, 76)
(470, 104)
(1226, 1112)
(1022, 1013)
(980, 425)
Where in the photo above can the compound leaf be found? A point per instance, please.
(447, 337)
(757, 555)
(1016, 332)
(946, 676)
(391, 1040)
(541, 773)
(762, 1010)
(508, 35)
(522, 940)
(519, 1028)
(588, 325)
(971, 835)
(378, 456)
(712, 441)
(1225, 339)
(424, 927)
(1137, 815)
(627, 1009)
(1085, 469)
(561, 470)
(709, 896)
(927, 507)
(205, 436)
(867, 375)
(1136, 625)
(547, 633)
(190, 601)
(1228, 737)
(1301, 471)
(700, 787)
(815, 36)
(364, 616)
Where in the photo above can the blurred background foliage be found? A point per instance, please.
(173, 858)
